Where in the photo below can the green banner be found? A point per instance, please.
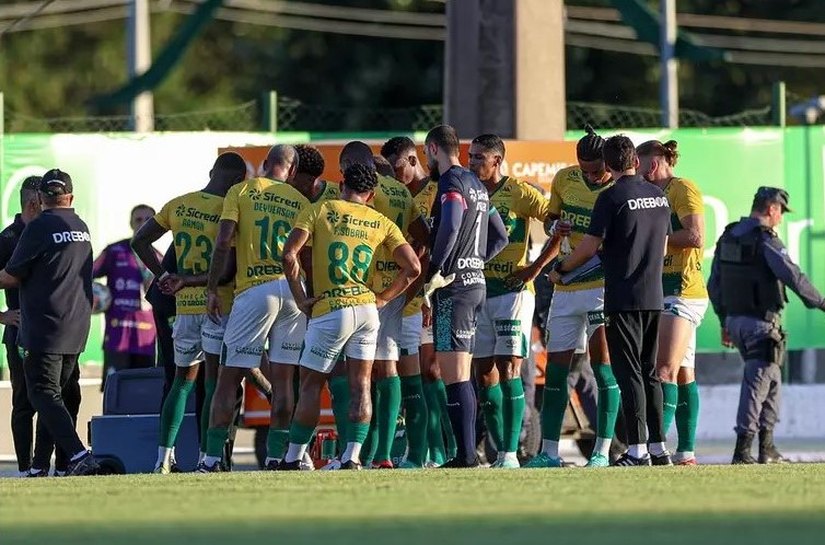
(113, 173)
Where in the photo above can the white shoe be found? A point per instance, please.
(306, 463)
(333, 465)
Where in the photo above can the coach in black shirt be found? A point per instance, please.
(52, 266)
(631, 222)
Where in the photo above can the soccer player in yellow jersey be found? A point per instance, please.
(307, 178)
(258, 215)
(344, 318)
(506, 319)
(686, 298)
(577, 309)
(393, 200)
(417, 360)
(193, 219)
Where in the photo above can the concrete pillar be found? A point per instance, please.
(505, 68)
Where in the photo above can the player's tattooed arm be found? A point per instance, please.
(410, 266)
(141, 243)
(218, 265)
(292, 269)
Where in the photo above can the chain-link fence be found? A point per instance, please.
(242, 117)
(295, 115)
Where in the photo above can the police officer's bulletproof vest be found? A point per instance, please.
(749, 287)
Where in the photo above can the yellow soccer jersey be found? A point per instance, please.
(516, 202)
(423, 201)
(265, 211)
(346, 236)
(682, 274)
(193, 219)
(392, 199)
(330, 191)
(572, 199)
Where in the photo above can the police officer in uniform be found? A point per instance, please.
(751, 268)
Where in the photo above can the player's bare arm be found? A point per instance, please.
(218, 266)
(292, 270)
(142, 242)
(405, 256)
(586, 249)
(693, 233)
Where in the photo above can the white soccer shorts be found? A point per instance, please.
(410, 334)
(692, 310)
(351, 330)
(389, 329)
(573, 315)
(194, 334)
(501, 326)
(266, 312)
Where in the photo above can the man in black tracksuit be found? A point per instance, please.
(52, 266)
(631, 223)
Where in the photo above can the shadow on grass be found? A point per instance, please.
(799, 528)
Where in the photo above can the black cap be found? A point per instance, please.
(767, 195)
(55, 183)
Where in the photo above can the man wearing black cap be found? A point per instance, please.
(750, 270)
(52, 266)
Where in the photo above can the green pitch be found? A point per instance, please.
(781, 505)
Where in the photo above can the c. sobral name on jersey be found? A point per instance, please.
(348, 222)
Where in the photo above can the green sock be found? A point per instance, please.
(370, 442)
(609, 400)
(687, 417)
(339, 391)
(491, 399)
(670, 396)
(276, 441)
(357, 432)
(389, 405)
(171, 416)
(446, 425)
(215, 440)
(435, 435)
(209, 392)
(512, 412)
(415, 418)
(554, 402)
(300, 434)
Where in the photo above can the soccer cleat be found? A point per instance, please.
(351, 465)
(35, 473)
(272, 465)
(217, 467)
(457, 463)
(86, 465)
(626, 460)
(386, 464)
(687, 461)
(598, 460)
(509, 463)
(307, 464)
(58, 473)
(544, 460)
(431, 465)
(406, 464)
(289, 466)
(333, 465)
(162, 469)
(662, 459)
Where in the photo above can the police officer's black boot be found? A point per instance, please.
(742, 452)
(768, 454)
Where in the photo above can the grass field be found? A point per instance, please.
(780, 505)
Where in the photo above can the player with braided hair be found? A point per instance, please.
(576, 312)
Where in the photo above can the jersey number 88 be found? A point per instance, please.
(341, 268)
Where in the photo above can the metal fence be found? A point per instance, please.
(294, 115)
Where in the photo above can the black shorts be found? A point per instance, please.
(454, 317)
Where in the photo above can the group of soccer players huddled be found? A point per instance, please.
(406, 287)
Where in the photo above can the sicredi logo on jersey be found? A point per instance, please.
(647, 202)
(71, 236)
